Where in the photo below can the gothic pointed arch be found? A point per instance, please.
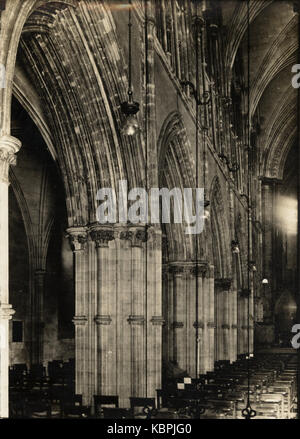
(220, 237)
(177, 170)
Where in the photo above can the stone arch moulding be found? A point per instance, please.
(278, 152)
(176, 169)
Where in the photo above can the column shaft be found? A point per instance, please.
(78, 241)
(8, 147)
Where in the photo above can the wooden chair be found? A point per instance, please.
(36, 406)
(117, 413)
(17, 405)
(147, 405)
(104, 400)
(72, 407)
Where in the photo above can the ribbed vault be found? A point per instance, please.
(79, 70)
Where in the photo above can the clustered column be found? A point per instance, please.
(128, 315)
(189, 305)
(179, 312)
(223, 310)
(102, 236)
(269, 194)
(78, 241)
(37, 317)
(9, 146)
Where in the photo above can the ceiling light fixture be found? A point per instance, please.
(130, 108)
(235, 247)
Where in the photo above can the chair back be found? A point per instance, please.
(117, 413)
(105, 400)
(147, 404)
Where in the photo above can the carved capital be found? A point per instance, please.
(139, 236)
(200, 269)
(9, 146)
(125, 235)
(80, 320)
(136, 320)
(101, 236)
(176, 270)
(270, 181)
(78, 238)
(211, 325)
(103, 320)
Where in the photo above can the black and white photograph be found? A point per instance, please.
(149, 199)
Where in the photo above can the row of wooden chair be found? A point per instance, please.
(224, 392)
(67, 405)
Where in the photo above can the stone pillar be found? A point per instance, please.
(168, 313)
(9, 146)
(129, 311)
(211, 323)
(125, 317)
(226, 326)
(269, 198)
(244, 321)
(217, 321)
(167, 289)
(191, 317)
(179, 315)
(101, 236)
(155, 320)
(200, 313)
(78, 241)
(240, 324)
(206, 318)
(234, 322)
(223, 324)
(136, 318)
(37, 318)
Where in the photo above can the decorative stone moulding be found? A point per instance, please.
(77, 237)
(6, 311)
(199, 325)
(79, 320)
(137, 235)
(157, 321)
(9, 146)
(136, 320)
(101, 235)
(176, 270)
(103, 320)
(178, 325)
(200, 269)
